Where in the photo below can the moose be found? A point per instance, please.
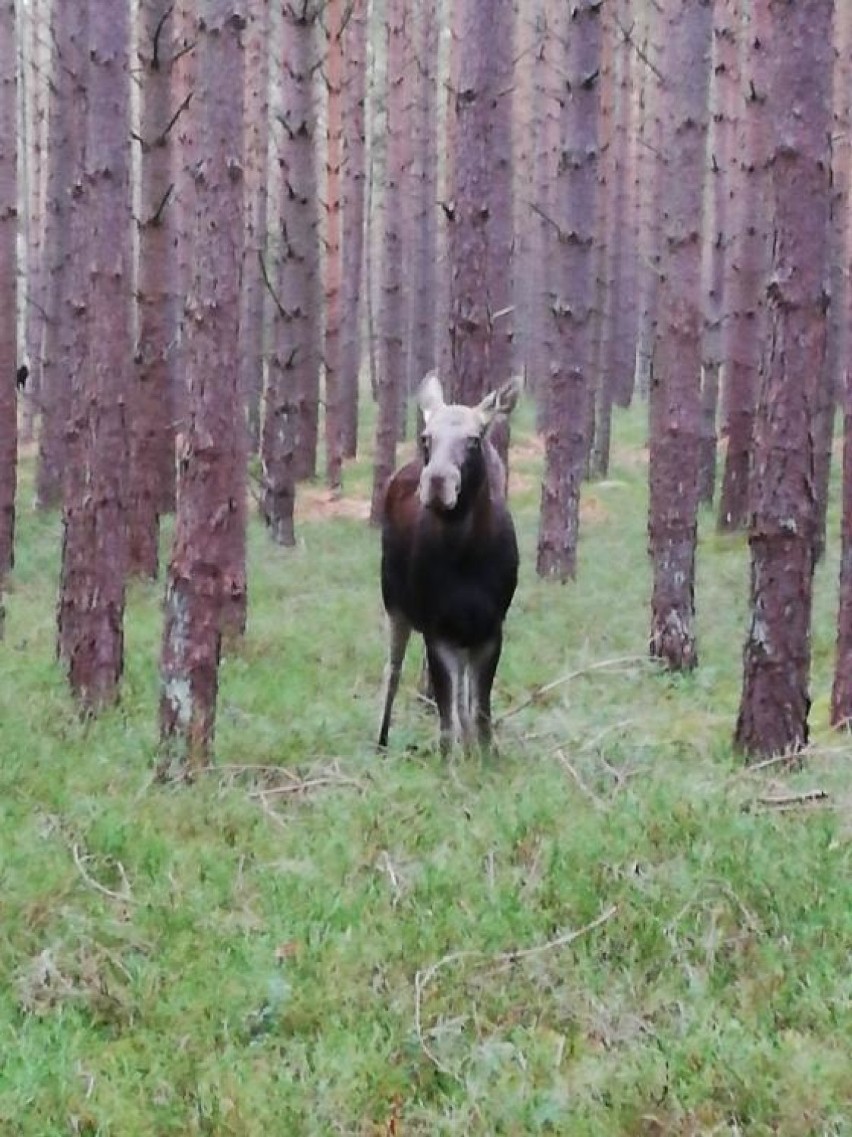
(450, 561)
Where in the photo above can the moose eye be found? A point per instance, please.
(474, 443)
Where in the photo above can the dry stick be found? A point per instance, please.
(563, 679)
(502, 959)
(125, 897)
(598, 802)
(783, 801)
(307, 784)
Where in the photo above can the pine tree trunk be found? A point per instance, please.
(773, 716)
(480, 223)
(841, 694)
(391, 360)
(206, 585)
(8, 297)
(94, 550)
(59, 362)
(423, 232)
(747, 267)
(335, 22)
(256, 109)
(676, 386)
(572, 302)
(724, 93)
(152, 436)
(354, 186)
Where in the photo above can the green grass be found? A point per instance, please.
(242, 956)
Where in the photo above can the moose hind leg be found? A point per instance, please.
(399, 632)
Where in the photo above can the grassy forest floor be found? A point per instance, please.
(314, 939)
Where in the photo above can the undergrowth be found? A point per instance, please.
(610, 927)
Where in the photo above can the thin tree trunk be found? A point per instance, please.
(94, 550)
(391, 372)
(353, 221)
(8, 293)
(423, 294)
(335, 22)
(773, 716)
(747, 268)
(724, 93)
(206, 586)
(676, 386)
(572, 301)
(151, 486)
(256, 210)
(480, 221)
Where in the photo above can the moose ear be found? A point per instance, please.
(430, 397)
(502, 401)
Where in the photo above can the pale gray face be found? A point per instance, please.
(453, 435)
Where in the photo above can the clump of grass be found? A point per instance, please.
(314, 939)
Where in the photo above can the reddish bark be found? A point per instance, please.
(354, 183)
(572, 302)
(841, 691)
(8, 298)
(335, 21)
(747, 268)
(675, 390)
(206, 586)
(152, 439)
(256, 108)
(94, 551)
(480, 213)
(773, 716)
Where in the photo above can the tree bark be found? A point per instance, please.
(335, 19)
(572, 302)
(747, 267)
(423, 229)
(152, 433)
(257, 48)
(206, 586)
(8, 293)
(94, 550)
(480, 211)
(676, 385)
(724, 93)
(354, 219)
(391, 363)
(773, 715)
(288, 443)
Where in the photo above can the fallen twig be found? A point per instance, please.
(124, 897)
(598, 802)
(788, 801)
(501, 961)
(546, 688)
(299, 787)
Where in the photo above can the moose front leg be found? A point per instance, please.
(399, 632)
